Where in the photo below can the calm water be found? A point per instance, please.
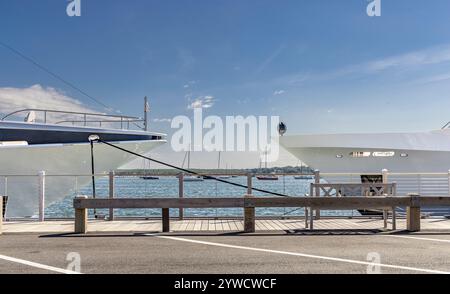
(134, 187)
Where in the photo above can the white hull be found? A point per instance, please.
(417, 162)
(427, 152)
(54, 159)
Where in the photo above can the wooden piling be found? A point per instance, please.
(413, 214)
(249, 217)
(81, 218)
(165, 220)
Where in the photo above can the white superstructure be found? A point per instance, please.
(422, 152)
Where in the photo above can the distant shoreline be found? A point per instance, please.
(172, 172)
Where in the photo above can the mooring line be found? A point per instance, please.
(189, 171)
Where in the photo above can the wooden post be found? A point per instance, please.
(317, 181)
(249, 184)
(41, 177)
(1, 214)
(165, 220)
(249, 218)
(394, 219)
(181, 193)
(111, 193)
(81, 219)
(413, 214)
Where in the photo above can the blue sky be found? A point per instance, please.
(322, 65)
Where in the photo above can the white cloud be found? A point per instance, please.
(434, 78)
(422, 57)
(279, 92)
(12, 99)
(202, 102)
(408, 61)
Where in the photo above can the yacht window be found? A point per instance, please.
(360, 154)
(339, 156)
(384, 154)
(404, 155)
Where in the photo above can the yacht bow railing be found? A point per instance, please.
(86, 117)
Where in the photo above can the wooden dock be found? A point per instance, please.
(215, 225)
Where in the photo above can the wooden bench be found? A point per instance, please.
(249, 203)
(355, 189)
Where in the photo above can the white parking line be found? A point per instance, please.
(37, 265)
(417, 238)
(302, 255)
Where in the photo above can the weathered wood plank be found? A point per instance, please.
(81, 218)
(434, 201)
(159, 203)
(191, 224)
(197, 225)
(205, 225)
(322, 202)
(165, 220)
(331, 202)
(413, 219)
(234, 225)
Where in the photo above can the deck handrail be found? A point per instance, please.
(120, 118)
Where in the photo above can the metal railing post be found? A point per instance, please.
(316, 181)
(448, 187)
(6, 186)
(111, 192)
(41, 181)
(385, 176)
(181, 193)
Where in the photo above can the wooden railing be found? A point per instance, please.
(249, 203)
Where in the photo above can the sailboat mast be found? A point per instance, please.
(266, 159)
(189, 158)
